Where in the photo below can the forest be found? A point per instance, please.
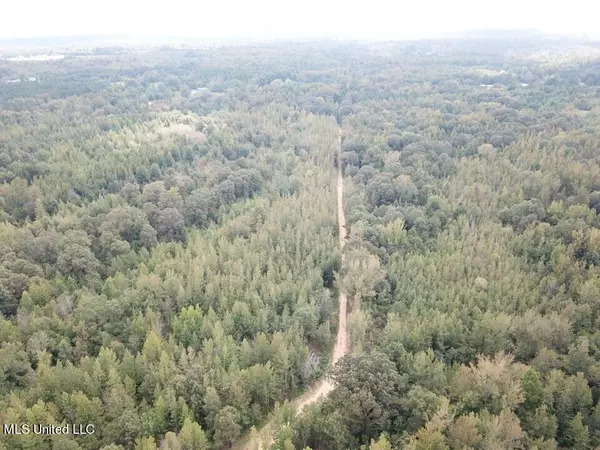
(170, 263)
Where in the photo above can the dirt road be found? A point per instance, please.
(325, 386)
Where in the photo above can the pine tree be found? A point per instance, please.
(577, 433)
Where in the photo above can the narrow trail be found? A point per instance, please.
(325, 386)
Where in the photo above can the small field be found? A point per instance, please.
(181, 128)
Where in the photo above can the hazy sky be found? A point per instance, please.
(376, 19)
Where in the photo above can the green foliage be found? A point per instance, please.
(169, 255)
(533, 390)
(227, 427)
(577, 433)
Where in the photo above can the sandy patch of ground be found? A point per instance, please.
(186, 130)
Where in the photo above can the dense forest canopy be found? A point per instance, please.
(169, 259)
